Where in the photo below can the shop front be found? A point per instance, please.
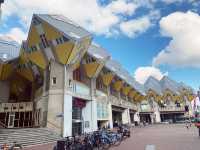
(102, 115)
(146, 117)
(117, 115)
(77, 116)
(132, 113)
(171, 117)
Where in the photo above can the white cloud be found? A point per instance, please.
(15, 34)
(100, 19)
(184, 47)
(143, 73)
(172, 1)
(121, 6)
(131, 28)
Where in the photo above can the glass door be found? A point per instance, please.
(11, 120)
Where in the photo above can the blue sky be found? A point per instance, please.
(148, 37)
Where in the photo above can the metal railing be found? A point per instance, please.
(147, 110)
(171, 108)
(16, 107)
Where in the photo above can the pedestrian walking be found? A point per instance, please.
(187, 126)
(5, 146)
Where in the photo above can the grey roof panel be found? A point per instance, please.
(167, 83)
(184, 86)
(139, 87)
(65, 25)
(98, 52)
(9, 49)
(113, 65)
(117, 68)
(153, 84)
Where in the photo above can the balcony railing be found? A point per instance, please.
(172, 108)
(16, 107)
(147, 110)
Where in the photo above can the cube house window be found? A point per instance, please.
(54, 80)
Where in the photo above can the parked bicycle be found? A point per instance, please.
(101, 140)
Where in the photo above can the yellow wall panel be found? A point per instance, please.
(76, 49)
(63, 51)
(8, 70)
(5, 71)
(33, 37)
(107, 78)
(76, 65)
(26, 73)
(91, 69)
(138, 98)
(132, 93)
(190, 97)
(23, 59)
(38, 58)
(126, 90)
(17, 86)
(118, 85)
(1, 69)
(50, 32)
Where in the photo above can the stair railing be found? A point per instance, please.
(2, 125)
(53, 124)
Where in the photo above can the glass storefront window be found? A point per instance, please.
(102, 111)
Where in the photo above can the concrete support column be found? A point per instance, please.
(87, 117)
(110, 115)
(93, 105)
(109, 108)
(157, 116)
(67, 116)
(156, 113)
(137, 117)
(45, 79)
(67, 103)
(126, 116)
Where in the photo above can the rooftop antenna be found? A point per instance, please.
(1, 2)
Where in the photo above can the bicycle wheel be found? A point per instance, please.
(105, 143)
(199, 131)
(118, 140)
(117, 143)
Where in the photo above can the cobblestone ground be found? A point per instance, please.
(41, 147)
(163, 137)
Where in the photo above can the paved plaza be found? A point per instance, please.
(160, 137)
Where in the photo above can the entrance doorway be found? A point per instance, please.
(77, 117)
(117, 115)
(145, 118)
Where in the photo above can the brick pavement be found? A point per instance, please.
(164, 137)
(48, 146)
